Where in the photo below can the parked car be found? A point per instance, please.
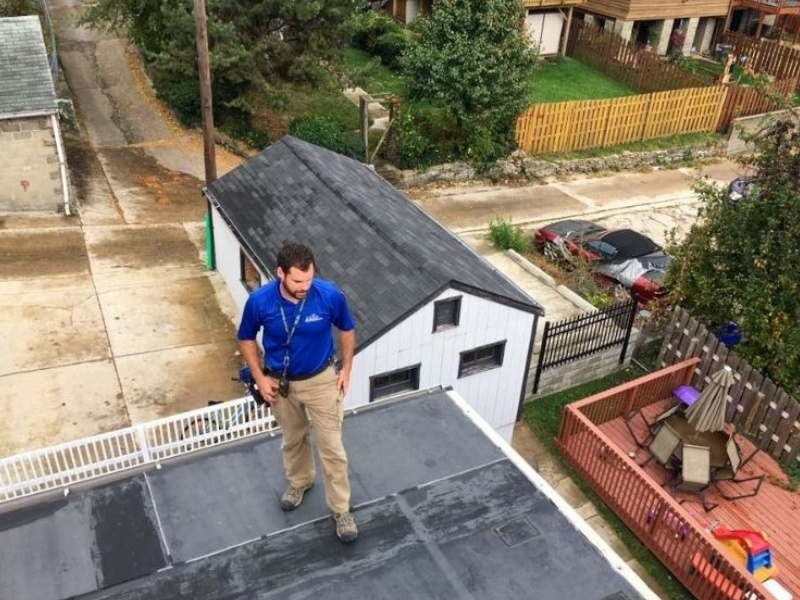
(621, 257)
(739, 188)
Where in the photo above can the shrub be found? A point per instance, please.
(507, 236)
(366, 28)
(242, 128)
(322, 131)
(183, 96)
(415, 137)
(390, 48)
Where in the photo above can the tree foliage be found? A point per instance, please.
(474, 59)
(741, 261)
(255, 45)
(18, 8)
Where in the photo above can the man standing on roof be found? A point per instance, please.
(296, 313)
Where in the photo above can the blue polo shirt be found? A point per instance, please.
(312, 343)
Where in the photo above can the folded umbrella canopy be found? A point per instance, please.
(708, 411)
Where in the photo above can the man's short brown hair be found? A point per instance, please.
(295, 255)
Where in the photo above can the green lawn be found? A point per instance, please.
(375, 79)
(567, 79)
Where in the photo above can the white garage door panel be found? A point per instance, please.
(545, 30)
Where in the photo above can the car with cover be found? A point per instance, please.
(619, 257)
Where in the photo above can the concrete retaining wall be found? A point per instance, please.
(522, 166)
(751, 124)
(580, 371)
(29, 173)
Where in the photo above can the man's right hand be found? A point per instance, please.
(267, 386)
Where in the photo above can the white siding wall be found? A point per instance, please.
(226, 249)
(494, 393)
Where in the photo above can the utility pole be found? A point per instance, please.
(204, 70)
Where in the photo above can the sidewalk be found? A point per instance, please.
(533, 451)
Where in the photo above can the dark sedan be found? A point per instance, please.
(620, 256)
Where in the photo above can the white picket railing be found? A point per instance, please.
(148, 444)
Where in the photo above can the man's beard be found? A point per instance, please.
(291, 294)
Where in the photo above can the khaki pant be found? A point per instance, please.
(316, 400)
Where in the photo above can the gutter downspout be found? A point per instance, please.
(62, 162)
(211, 255)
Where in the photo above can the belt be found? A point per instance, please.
(277, 374)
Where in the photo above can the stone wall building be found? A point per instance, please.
(33, 171)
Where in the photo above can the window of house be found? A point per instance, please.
(481, 359)
(250, 276)
(386, 384)
(446, 313)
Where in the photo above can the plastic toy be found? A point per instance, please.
(751, 547)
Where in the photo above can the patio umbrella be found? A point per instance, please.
(708, 411)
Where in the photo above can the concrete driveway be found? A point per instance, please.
(110, 318)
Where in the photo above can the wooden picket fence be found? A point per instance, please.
(757, 405)
(565, 126)
(636, 67)
(766, 56)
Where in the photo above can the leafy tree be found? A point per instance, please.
(474, 59)
(741, 261)
(18, 8)
(255, 45)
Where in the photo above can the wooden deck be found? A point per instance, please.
(596, 441)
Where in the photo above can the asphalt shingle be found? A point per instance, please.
(25, 82)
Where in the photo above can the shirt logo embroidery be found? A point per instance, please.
(313, 318)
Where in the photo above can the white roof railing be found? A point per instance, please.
(58, 467)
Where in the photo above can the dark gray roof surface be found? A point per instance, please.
(25, 81)
(443, 513)
(387, 255)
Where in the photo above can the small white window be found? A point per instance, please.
(481, 359)
(394, 382)
(446, 313)
(250, 275)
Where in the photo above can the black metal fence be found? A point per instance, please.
(577, 337)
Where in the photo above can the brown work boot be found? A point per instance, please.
(346, 529)
(293, 496)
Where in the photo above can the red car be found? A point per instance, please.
(620, 256)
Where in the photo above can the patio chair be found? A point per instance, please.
(729, 471)
(695, 473)
(664, 444)
(652, 426)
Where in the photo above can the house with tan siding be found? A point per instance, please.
(547, 21)
(693, 24)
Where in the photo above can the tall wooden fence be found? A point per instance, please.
(638, 68)
(757, 405)
(765, 56)
(564, 126)
(743, 101)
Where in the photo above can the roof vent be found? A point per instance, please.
(617, 596)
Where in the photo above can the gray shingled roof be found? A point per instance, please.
(387, 255)
(25, 82)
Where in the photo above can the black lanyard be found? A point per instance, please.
(289, 334)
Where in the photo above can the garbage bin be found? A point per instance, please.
(721, 51)
(729, 334)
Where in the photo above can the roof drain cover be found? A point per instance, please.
(516, 532)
